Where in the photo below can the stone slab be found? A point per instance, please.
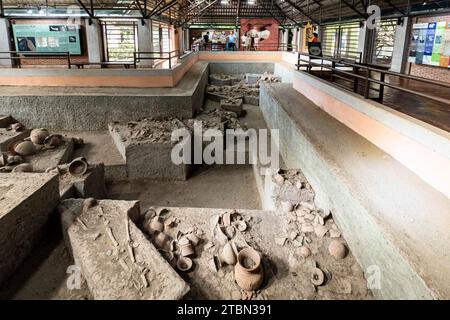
(106, 261)
(26, 202)
(148, 159)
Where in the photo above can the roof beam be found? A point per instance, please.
(155, 8)
(166, 7)
(138, 5)
(353, 8)
(301, 11)
(90, 14)
(389, 2)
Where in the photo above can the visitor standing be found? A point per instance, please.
(206, 39)
(232, 41)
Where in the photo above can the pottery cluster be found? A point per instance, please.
(248, 270)
(177, 247)
(14, 160)
(303, 223)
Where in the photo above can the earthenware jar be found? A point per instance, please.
(248, 271)
(78, 166)
(227, 255)
(161, 240)
(155, 225)
(184, 264)
(38, 136)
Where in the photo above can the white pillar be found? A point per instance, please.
(285, 39)
(145, 40)
(5, 43)
(94, 41)
(363, 34)
(400, 46)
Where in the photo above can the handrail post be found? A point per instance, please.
(170, 60)
(68, 59)
(382, 78)
(19, 61)
(134, 59)
(367, 88)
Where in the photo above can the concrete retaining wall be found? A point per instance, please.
(94, 108)
(422, 148)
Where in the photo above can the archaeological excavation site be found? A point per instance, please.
(224, 150)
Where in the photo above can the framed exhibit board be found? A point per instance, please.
(430, 44)
(47, 38)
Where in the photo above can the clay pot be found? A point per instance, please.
(15, 159)
(161, 240)
(317, 277)
(337, 249)
(240, 225)
(53, 140)
(155, 225)
(25, 148)
(38, 136)
(187, 250)
(193, 238)
(24, 167)
(227, 255)
(184, 264)
(248, 271)
(78, 166)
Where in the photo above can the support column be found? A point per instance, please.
(145, 40)
(5, 42)
(94, 41)
(285, 39)
(401, 40)
(362, 42)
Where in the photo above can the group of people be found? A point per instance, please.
(221, 41)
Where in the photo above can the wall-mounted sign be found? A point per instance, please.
(430, 44)
(47, 38)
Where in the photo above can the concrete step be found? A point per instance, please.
(396, 224)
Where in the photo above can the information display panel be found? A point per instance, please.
(47, 38)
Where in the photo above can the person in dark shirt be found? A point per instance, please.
(206, 39)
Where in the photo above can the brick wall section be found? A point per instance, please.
(430, 72)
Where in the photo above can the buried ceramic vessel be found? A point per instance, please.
(161, 241)
(227, 255)
(37, 136)
(193, 238)
(23, 167)
(155, 225)
(78, 166)
(187, 250)
(24, 148)
(53, 140)
(184, 264)
(248, 271)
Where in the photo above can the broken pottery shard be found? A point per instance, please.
(115, 275)
(335, 233)
(320, 230)
(280, 241)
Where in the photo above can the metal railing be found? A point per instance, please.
(138, 56)
(17, 57)
(355, 72)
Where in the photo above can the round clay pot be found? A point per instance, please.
(184, 264)
(25, 148)
(37, 136)
(78, 166)
(24, 167)
(337, 249)
(317, 277)
(161, 240)
(248, 271)
(155, 225)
